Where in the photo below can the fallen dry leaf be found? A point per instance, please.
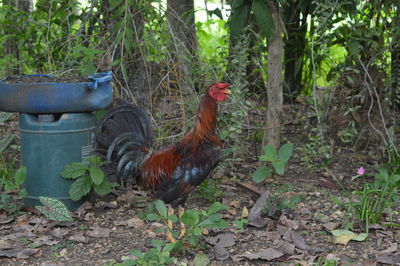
(59, 232)
(254, 218)
(344, 236)
(268, 235)
(99, 232)
(26, 253)
(133, 222)
(291, 224)
(330, 226)
(393, 248)
(281, 229)
(327, 184)
(286, 248)
(220, 253)
(78, 237)
(245, 213)
(45, 240)
(4, 219)
(235, 203)
(266, 254)
(391, 259)
(222, 240)
(106, 205)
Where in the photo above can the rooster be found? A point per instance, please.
(124, 139)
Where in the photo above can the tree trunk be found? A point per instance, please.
(180, 15)
(274, 91)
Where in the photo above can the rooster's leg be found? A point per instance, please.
(170, 226)
(183, 228)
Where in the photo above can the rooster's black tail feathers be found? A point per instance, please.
(123, 138)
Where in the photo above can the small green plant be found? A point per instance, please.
(209, 190)
(277, 159)
(315, 153)
(10, 183)
(276, 205)
(159, 255)
(376, 197)
(239, 224)
(54, 210)
(194, 221)
(87, 176)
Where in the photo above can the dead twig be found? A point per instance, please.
(250, 187)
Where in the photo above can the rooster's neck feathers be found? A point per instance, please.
(205, 128)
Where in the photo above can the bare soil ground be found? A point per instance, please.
(108, 228)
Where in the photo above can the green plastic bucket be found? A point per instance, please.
(48, 143)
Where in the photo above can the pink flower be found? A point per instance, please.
(360, 171)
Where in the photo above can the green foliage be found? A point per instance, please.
(87, 176)
(159, 255)
(48, 41)
(278, 204)
(239, 224)
(277, 159)
(315, 153)
(10, 183)
(194, 220)
(209, 190)
(54, 210)
(234, 121)
(7, 139)
(375, 198)
(241, 13)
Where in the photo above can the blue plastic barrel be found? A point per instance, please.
(48, 143)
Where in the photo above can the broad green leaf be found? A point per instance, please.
(279, 166)
(197, 231)
(264, 18)
(153, 217)
(239, 17)
(161, 208)
(54, 209)
(73, 170)
(173, 218)
(97, 175)
(395, 178)
(216, 207)
(95, 160)
(190, 218)
(214, 221)
(103, 188)
(261, 174)
(169, 247)
(285, 152)
(80, 187)
(201, 259)
(360, 237)
(269, 154)
(20, 175)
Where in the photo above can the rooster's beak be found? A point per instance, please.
(227, 91)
